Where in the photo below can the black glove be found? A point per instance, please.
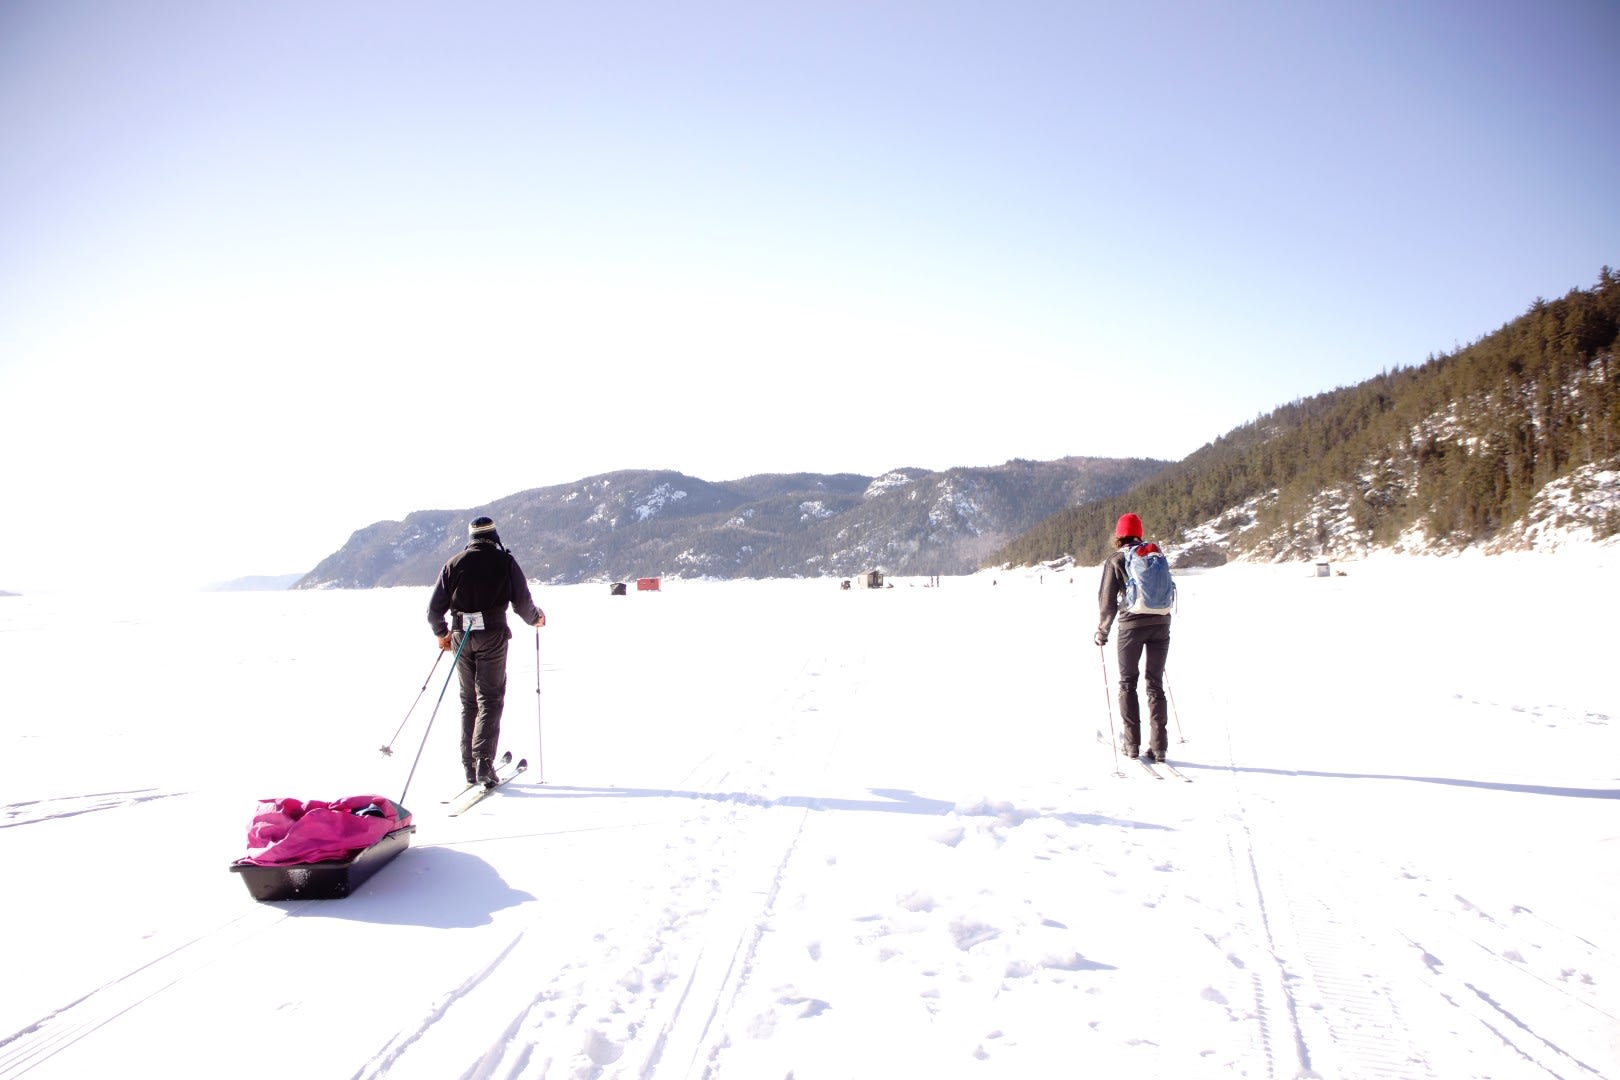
(1100, 637)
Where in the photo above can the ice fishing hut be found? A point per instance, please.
(1324, 568)
(647, 584)
(872, 579)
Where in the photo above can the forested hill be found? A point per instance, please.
(1471, 448)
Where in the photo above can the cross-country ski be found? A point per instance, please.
(505, 760)
(478, 792)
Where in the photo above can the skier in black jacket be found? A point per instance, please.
(1139, 634)
(474, 590)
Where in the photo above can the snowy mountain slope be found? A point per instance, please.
(1581, 509)
(640, 523)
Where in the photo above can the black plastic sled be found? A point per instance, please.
(331, 880)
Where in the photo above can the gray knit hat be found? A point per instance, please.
(481, 526)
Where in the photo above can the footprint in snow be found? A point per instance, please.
(969, 932)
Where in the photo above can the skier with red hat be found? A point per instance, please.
(1144, 631)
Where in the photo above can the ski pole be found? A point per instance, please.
(540, 729)
(387, 748)
(1171, 694)
(432, 716)
(1108, 702)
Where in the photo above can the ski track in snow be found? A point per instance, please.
(1347, 976)
(58, 1030)
(1482, 967)
(34, 811)
(679, 965)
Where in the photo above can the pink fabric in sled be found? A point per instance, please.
(292, 832)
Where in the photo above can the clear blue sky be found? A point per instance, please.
(272, 272)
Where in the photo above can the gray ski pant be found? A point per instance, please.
(482, 669)
(1150, 637)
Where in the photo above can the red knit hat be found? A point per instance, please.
(1129, 525)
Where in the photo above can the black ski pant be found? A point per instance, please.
(482, 668)
(1147, 636)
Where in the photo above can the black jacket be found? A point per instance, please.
(484, 578)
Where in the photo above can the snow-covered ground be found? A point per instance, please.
(783, 830)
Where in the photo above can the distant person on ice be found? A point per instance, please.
(1140, 632)
(475, 587)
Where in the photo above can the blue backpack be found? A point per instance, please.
(1149, 587)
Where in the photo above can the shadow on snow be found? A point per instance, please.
(425, 886)
(888, 801)
(1449, 781)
